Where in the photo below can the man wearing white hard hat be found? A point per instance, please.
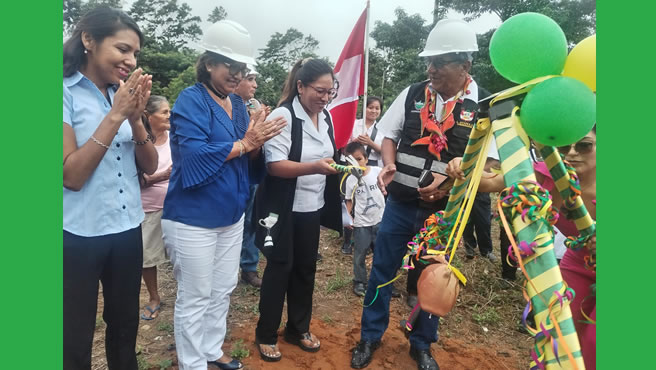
(427, 125)
(213, 147)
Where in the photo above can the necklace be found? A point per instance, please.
(216, 92)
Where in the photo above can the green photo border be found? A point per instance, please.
(32, 268)
(625, 155)
(31, 273)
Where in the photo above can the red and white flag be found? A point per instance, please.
(349, 71)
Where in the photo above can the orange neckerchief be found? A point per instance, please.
(437, 140)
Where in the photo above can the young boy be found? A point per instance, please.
(369, 206)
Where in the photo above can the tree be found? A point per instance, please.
(277, 58)
(165, 66)
(165, 23)
(218, 13)
(75, 9)
(285, 49)
(393, 63)
(169, 27)
(179, 83)
(577, 18)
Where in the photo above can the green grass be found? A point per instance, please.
(327, 319)
(486, 316)
(337, 282)
(165, 364)
(166, 327)
(239, 350)
(99, 322)
(142, 363)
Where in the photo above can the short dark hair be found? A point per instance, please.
(307, 71)
(211, 59)
(100, 23)
(371, 99)
(354, 146)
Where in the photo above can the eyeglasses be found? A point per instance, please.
(581, 147)
(234, 68)
(321, 91)
(439, 63)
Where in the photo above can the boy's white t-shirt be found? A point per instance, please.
(369, 205)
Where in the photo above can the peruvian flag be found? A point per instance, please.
(349, 71)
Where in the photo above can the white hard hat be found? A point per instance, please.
(229, 39)
(253, 70)
(450, 36)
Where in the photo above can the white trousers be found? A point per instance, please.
(205, 265)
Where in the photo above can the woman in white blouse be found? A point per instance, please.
(366, 133)
(301, 191)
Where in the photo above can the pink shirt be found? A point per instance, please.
(152, 197)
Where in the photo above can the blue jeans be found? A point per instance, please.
(363, 237)
(400, 223)
(250, 255)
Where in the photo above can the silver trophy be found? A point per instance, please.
(268, 223)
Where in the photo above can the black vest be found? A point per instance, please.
(412, 160)
(276, 194)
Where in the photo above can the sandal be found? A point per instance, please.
(267, 357)
(152, 311)
(299, 342)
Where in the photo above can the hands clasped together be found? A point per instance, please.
(132, 95)
(259, 130)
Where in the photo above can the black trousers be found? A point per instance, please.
(116, 261)
(422, 215)
(480, 222)
(294, 278)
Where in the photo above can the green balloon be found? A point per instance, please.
(559, 111)
(527, 46)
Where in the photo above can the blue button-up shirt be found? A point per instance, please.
(110, 200)
(205, 190)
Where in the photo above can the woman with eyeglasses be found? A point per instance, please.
(303, 190)
(582, 157)
(215, 152)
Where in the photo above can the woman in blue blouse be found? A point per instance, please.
(104, 142)
(214, 152)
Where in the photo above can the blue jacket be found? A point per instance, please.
(205, 190)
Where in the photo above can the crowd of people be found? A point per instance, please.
(145, 183)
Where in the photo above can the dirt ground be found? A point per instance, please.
(482, 331)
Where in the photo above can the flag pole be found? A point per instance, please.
(366, 66)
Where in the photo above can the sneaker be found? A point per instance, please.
(395, 292)
(492, 257)
(358, 289)
(319, 258)
(347, 249)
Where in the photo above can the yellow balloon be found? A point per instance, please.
(581, 62)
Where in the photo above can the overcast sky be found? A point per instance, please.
(329, 21)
